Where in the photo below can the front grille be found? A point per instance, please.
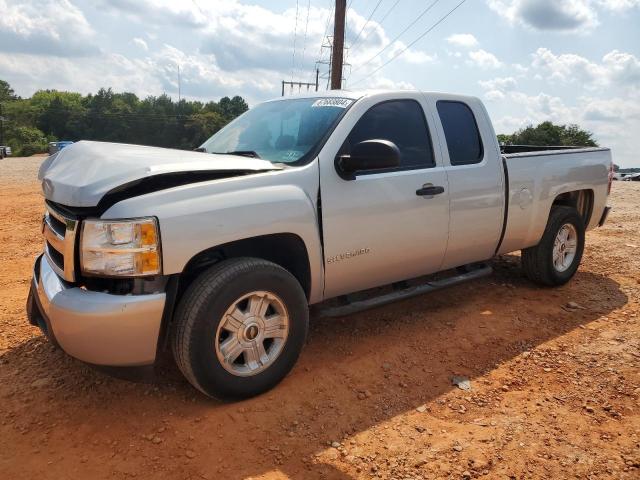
(55, 256)
(58, 226)
(60, 238)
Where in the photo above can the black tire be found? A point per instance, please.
(202, 309)
(537, 262)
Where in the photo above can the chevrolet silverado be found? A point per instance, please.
(337, 200)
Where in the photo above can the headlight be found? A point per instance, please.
(127, 248)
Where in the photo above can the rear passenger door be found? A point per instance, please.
(476, 188)
(378, 228)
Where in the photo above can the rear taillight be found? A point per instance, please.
(611, 174)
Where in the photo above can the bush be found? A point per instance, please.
(28, 140)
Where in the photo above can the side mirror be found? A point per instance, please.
(366, 156)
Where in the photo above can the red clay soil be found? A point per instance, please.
(554, 389)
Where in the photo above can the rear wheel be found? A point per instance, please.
(555, 260)
(240, 327)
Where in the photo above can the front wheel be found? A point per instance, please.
(555, 260)
(240, 327)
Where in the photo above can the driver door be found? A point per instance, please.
(379, 228)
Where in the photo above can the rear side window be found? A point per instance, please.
(461, 132)
(401, 122)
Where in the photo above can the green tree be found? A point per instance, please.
(27, 141)
(6, 92)
(547, 133)
(232, 107)
(112, 117)
(202, 125)
(60, 114)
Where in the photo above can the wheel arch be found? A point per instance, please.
(581, 200)
(285, 249)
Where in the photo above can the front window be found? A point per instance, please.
(284, 131)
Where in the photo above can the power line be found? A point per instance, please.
(198, 7)
(381, 21)
(346, 13)
(306, 28)
(355, 42)
(422, 14)
(442, 19)
(295, 35)
(323, 45)
(384, 17)
(326, 29)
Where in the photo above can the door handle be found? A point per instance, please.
(429, 190)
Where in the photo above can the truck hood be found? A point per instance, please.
(82, 174)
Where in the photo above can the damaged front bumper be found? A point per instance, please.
(95, 327)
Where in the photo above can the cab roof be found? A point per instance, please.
(357, 94)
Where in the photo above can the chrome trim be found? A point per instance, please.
(63, 244)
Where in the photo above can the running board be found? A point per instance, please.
(377, 301)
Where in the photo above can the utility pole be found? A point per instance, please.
(337, 55)
(179, 86)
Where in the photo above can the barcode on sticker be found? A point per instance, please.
(332, 102)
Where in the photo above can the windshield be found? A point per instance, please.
(282, 131)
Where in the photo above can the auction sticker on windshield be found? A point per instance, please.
(332, 102)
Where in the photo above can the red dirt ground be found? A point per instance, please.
(554, 391)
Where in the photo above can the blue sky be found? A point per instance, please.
(569, 61)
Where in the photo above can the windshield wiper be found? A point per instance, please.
(241, 153)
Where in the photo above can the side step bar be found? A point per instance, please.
(429, 286)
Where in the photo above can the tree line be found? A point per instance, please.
(49, 115)
(547, 133)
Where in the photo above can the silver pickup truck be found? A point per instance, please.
(340, 200)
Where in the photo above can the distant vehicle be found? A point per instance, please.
(57, 146)
(632, 177)
(5, 151)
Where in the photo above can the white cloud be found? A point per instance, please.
(418, 57)
(383, 83)
(614, 121)
(238, 45)
(152, 75)
(617, 67)
(139, 42)
(616, 110)
(622, 67)
(566, 67)
(199, 74)
(552, 15)
(497, 87)
(499, 83)
(464, 40)
(47, 27)
(521, 69)
(163, 12)
(619, 5)
(87, 76)
(483, 59)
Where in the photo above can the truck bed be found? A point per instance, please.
(509, 149)
(536, 177)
